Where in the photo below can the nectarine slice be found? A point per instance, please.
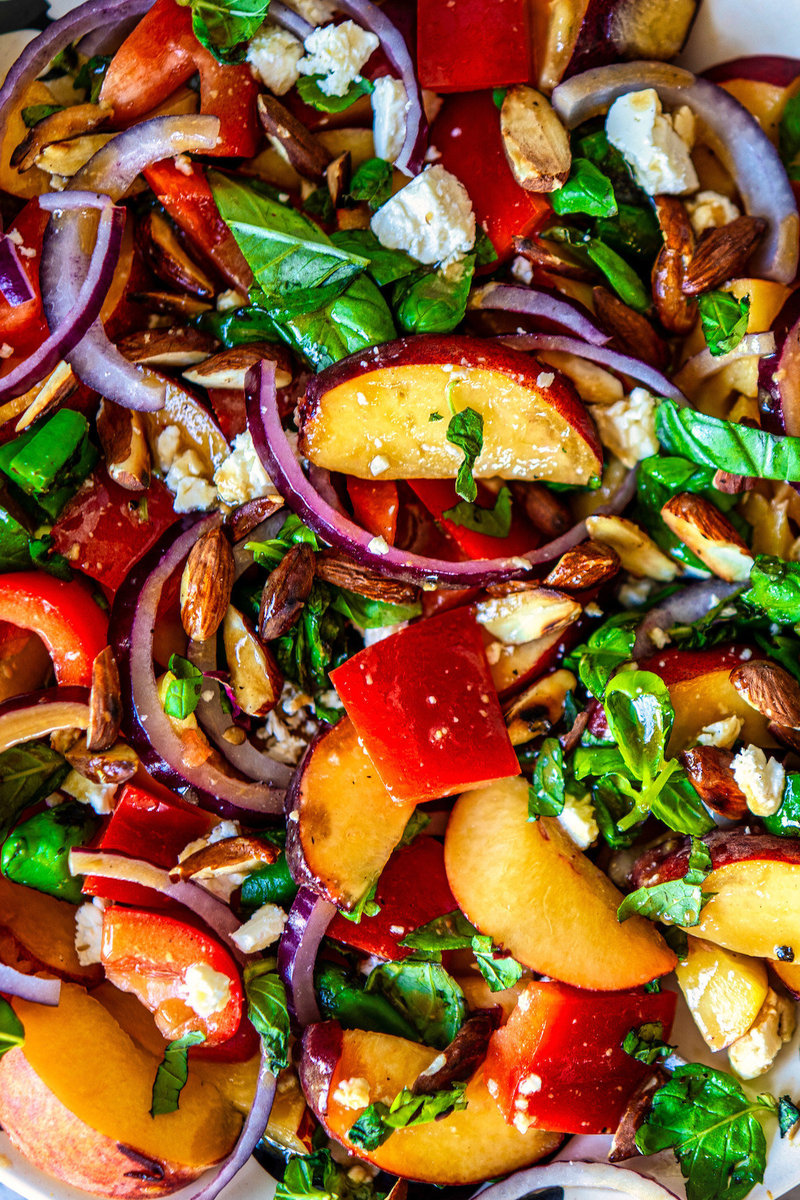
(37, 933)
(528, 886)
(370, 415)
(723, 990)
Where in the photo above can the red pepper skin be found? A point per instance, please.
(467, 135)
(65, 616)
(23, 327)
(425, 708)
(159, 55)
(447, 35)
(411, 891)
(559, 1064)
(440, 494)
(375, 505)
(152, 825)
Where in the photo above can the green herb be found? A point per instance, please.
(786, 821)
(789, 138)
(11, 1032)
(320, 205)
(385, 266)
(268, 1011)
(484, 251)
(309, 90)
(51, 456)
(91, 75)
(291, 533)
(788, 1115)
(28, 773)
(240, 326)
(435, 416)
(606, 650)
(723, 319)
(372, 183)
(354, 321)
(546, 792)
(42, 556)
(225, 26)
(646, 1043)
(372, 614)
(379, 1121)
(678, 901)
(37, 112)
(640, 716)
(775, 587)
(172, 1073)
(499, 972)
(499, 95)
(592, 251)
(417, 823)
(317, 1177)
(182, 694)
(493, 522)
(587, 190)
(425, 996)
(316, 643)
(634, 234)
(465, 430)
(659, 478)
(343, 998)
(726, 445)
(452, 931)
(271, 884)
(434, 301)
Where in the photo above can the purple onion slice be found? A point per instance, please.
(29, 987)
(309, 918)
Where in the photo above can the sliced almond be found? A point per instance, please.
(228, 368)
(286, 591)
(229, 856)
(631, 330)
(733, 485)
(337, 176)
(546, 256)
(523, 712)
(542, 507)
(105, 703)
(770, 690)
(536, 144)
(638, 553)
(115, 765)
(256, 679)
(172, 304)
(67, 158)
(640, 1103)
(206, 585)
(43, 397)
(167, 257)
(722, 254)
(522, 616)
(710, 773)
(248, 516)
(585, 566)
(676, 311)
(69, 123)
(176, 347)
(303, 150)
(785, 736)
(122, 437)
(332, 566)
(702, 527)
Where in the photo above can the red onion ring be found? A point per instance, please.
(112, 170)
(683, 607)
(540, 303)
(309, 918)
(600, 1175)
(290, 20)
(14, 283)
(252, 1132)
(737, 139)
(77, 314)
(704, 364)
(612, 359)
(38, 714)
(133, 621)
(29, 987)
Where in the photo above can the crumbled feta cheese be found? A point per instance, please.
(230, 299)
(647, 139)
(187, 481)
(316, 12)
(628, 426)
(378, 545)
(710, 210)
(522, 1122)
(659, 637)
(352, 1093)
(529, 1085)
(634, 592)
(5, 350)
(88, 934)
(288, 727)
(755, 1052)
(389, 107)
(241, 476)
(721, 733)
(578, 820)
(99, 796)
(761, 779)
(431, 218)
(522, 270)
(264, 927)
(337, 52)
(205, 990)
(168, 447)
(274, 53)
(379, 464)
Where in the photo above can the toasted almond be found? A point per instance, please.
(523, 712)
(542, 507)
(172, 304)
(115, 765)
(640, 1102)
(585, 566)
(256, 678)
(702, 527)
(228, 368)
(631, 330)
(43, 397)
(770, 690)
(337, 176)
(168, 258)
(176, 347)
(733, 485)
(291, 138)
(206, 585)
(67, 157)
(70, 122)
(536, 144)
(676, 311)
(243, 520)
(335, 567)
(105, 703)
(286, 591)
(638, 553)
(229, 856)
(529, 613)
(722, 254)
(122, 436)
(785, 736)
(546, 256)
(710, 773)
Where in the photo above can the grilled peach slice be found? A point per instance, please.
(37, 934)
(724, 991)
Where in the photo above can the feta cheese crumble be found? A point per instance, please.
(722, 733)
(578, 820)
(628, 426)
(389, 107)
(205, 990)
(338, 53)
(352, 1093)
(274, 53)
(761, 779)
(241, 476)
(754, 1053)
(88, 934)
(431, 218)
(264, 927)
(710, 210)
(99, 796)
(185, 472)
(650, 144)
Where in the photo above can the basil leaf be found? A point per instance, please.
(372, 182)
(775, 587)
(788, 1115)
(172, 1073)
(225, 26)
(370, 1130)
(28, 773)
(786, 821)
(354, 321)
(633, 233)
(449, 932)
(91, 76)
(320, 205)
(646, 1043)
(425, 995)
(37, 112)
(318, 1177)
(607, 649)
(385, 266)
(640, 716)
(367, 906)
(372, 614)
(726, 445)
(712, 1127)
(239, 326)
(434, 302)
(593, 252)
(499, 973)
(546, 792)
(183, 692)
(485, 253)
(678, 805)
(723, 319)
(465, 430)
(678, 901)
(587, 190)
(268, 1010)
(310, 92)
(378, 1121)
(789, 137)
(494, 521)
(12, 1033)
(658, 479)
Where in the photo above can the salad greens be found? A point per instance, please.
(172, 1074)
(679, 901)
(225, 26)
(723, 319)
(727, 445)
(268, 1009)
(379, 1121)
(12, 1033)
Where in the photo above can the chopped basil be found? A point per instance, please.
(435, 416)
(320, 205)
(789, 138)
(726, 445)
(546, 792)
(372, 183)
(172, 1073)
(679, 901)
(379, 1121)
(308, 87)
(28, 773)
(424, 995)
(317, 1177)
(91, 75)
(646, 1043)
(494, 521)
(268, 1010)
(12, 1033)
(182, 695)
(723, 319)
(225, 26)
(500, 972)
(587, 191)
(454, 932)
(372, 614)
(37, 112)
(607, 649)
(775, 587)
(434, 301)
(385, 266)
(465, 430)
(593, 251)
(788, 1115)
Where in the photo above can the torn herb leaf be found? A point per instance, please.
(723, 319)
(465, 430)
(546, 792)
(494, 521)
(172, 1073)
(268, 1010)
(646, 1044)
(678, 901)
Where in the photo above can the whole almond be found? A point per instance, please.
(339, 569)
(708, 534)
(637, 551)
(542, 507)
(733, 485)
(243, 520)
(206, 585)
(770, 690)
(536, 144)
(127, 454)
(303, 149)
(631, 330)
(286, 591)
(710, 773)
(676, 311)
(585, 566)
(722, 254)
(105, 703)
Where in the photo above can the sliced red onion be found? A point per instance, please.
(133, 621)
(734, 135)
(276, 454)
(29, 987)
(602, 1176)
(704, 364)
(88, 292)
(623, 363)
(544, 305)
(684, 607)
(309, 918)
(252, 1132)
(38, 714)
(290, 20)
(112, 170)
(14, 283)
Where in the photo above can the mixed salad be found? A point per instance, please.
(399, 599)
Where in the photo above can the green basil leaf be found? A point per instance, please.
(28, 773)
(172, 1073)
(91, 75)
(546, 792)
(12, 1033)
(494, 521)
(592, 251)
(385, 266)
(308, 87)
(268, 1010)
(425, 995)
(225, 26)
(678, 805)
(646, 1043)
(239, 326)
(607, 649)
(640, 716)
(319, 204)
(183, 692)
(789, 137)
(371, 1130)
(499, 972)
(726, 445)
(378, 1121)
(723, 319)
(788, 1115)
(634, 234)
(372, 614)
(435, 301)
(354, 321)
(372, 183)
(775, 587)
(485, 253)
(449, 932)
(587, 190)
(679, 901)
(317, 1177)
(37, 112)
(465, 430)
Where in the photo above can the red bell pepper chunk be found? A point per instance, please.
(64, 614)
(159, 55)
(467, 135)
(438, 495)
(23, 327)
(559, 1064)
(425, 708)
(104, 529)
(448, 35)
(411, 891)
(375, 505)
(154, 825)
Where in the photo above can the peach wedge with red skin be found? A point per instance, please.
(37, 935)
(526, 885)
(370, 415)
(467, 1147)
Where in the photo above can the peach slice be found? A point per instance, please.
(526, 884)
(370, 415)
(37, 933)
(466, 1147)
(724, 991)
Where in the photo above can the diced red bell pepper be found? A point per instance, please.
(375, 505)
(64, 614)
(23, 327)
(425, 708)
(154, 825)
(150, 953)
(559, 1064)
(159, 55)
(411, 891)
(467, 135)
(105, 529)
(449, 35)
(438, 495)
